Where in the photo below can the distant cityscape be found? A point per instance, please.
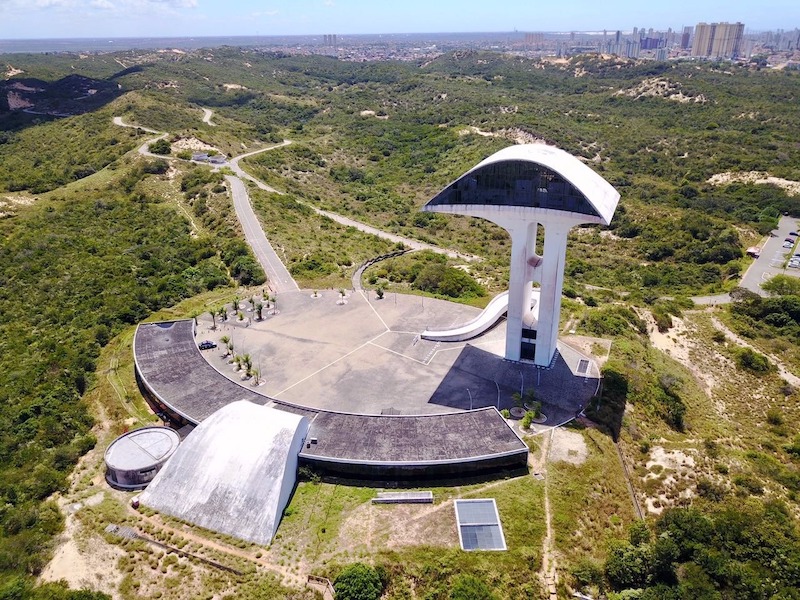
(713, 41)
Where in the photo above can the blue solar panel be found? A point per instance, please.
(479, 525)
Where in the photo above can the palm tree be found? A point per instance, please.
(213, 314)
(223, 313)
(259, 308)
(256, 376)
(252, 302)
(235, 304)
(224, 340)
(248, 364)
(194, 316)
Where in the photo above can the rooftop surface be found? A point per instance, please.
(365, 360)
(233, 473)
(142, 448)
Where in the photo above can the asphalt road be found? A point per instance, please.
(278, 276)
(771, 262)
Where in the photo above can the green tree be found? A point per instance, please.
(161, 146)
(358, 582)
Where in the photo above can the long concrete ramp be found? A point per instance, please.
(490, 315)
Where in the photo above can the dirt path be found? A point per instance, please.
(782, 370)
(548, 574)
(207, 114)
(288, 577)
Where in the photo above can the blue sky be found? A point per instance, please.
(156, 18)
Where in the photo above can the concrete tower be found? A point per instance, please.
(519, 188)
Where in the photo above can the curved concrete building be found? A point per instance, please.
(519, 188)
(234, 473)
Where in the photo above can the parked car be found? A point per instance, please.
(207, 345)
(794, 233)
(789, 240)
(788, 244)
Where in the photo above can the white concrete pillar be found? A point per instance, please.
(552, 282)
(532, 267)
(517, 283)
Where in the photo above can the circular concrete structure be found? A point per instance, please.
(134, 458)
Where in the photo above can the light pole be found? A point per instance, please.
(470, 398)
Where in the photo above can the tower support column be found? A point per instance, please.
(552, 282)
(519, 293)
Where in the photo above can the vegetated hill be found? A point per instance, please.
(375, 141)
(77, 268)
(70, 95)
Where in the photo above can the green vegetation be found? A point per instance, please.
(161, 146)
(742, 550)
(426, 271)
(358, 582)
(118, 238)
(93, 263)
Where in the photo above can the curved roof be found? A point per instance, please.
(536, 176)
(234, 473)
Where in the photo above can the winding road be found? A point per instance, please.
(278, 277)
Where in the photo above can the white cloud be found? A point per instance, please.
(103, 4)
(329, 3)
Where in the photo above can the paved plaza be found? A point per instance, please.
(365, 356)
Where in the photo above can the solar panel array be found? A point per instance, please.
(479, 525)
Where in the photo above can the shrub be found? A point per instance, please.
(774, 417)
(750, 360)
(160, 147)
(469, 587)
(358, 582)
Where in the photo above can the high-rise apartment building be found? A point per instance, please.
(718, 40)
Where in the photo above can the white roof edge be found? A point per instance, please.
(601, 194)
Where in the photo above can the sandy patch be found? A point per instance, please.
(673, 341)
(11, 71)
(372, 113)
(191, 144)
(233, 86)
(22, 200)
(17, 102)
(85, 564)
(758, 177)
(669, 459)
(568, 446)
(515, 134)
(657, 87)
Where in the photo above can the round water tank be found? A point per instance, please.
(134, 458)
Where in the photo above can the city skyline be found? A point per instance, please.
(40, 19)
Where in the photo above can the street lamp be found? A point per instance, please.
(470, 398)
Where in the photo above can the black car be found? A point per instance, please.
(207, 345)
(794, 233)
